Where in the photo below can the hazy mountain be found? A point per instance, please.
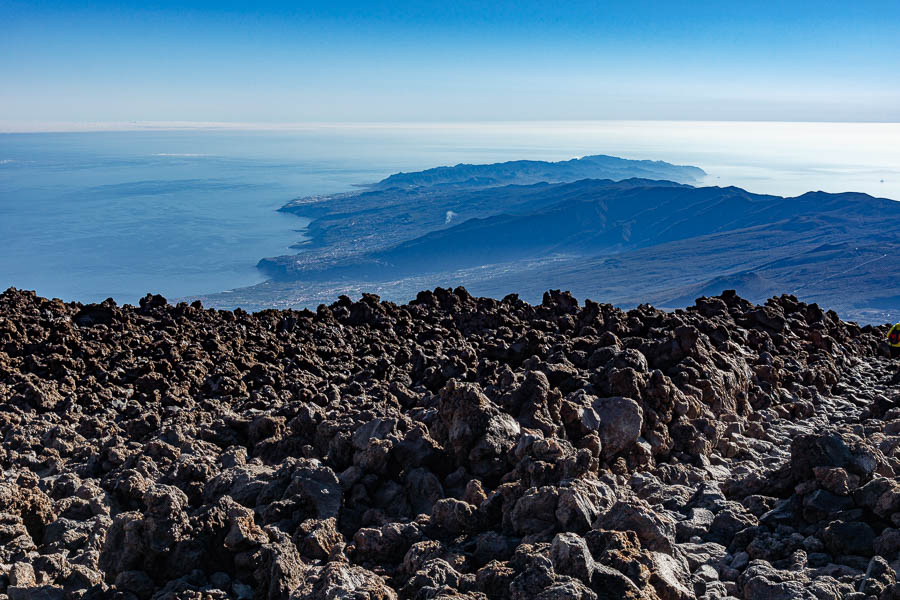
(626, 242)
(524, 172)
(605, 221)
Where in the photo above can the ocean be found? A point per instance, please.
(90, 215)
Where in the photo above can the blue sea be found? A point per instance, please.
(96, 214)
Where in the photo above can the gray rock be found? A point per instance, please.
(618, 423)
(566, 590)
(339, 580)
(570, 556)
(580, 502)
(670, 577)
(655, 531)
(707, 553)
(697, 524)
(534, 512)
(760, 588)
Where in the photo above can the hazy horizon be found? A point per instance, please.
(9, 127)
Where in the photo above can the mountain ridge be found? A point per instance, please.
(523, 172)
(834, 248)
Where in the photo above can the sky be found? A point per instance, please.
(459, 60)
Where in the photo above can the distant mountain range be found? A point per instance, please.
(625, 242)
(524, 172)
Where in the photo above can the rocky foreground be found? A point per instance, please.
(454, 447)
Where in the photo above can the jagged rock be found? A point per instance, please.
(610, 583)
(452, 447)
(888, 543)
(579, 503)
(843, 537)
(570, 556)
(707, 554)
(339, 580)
(476, 430)
(21, 574)
(433, 574)
(880, 577)
(535, 572)
(833, 449)
(656, 532)
(564, 590)
(44, 592)
(822, 504)
(390, 541)
(618, 422)
(535, 511)
(318, 538)
(670, 577)
(728, 523)
(760, 581)
(697, 524)
(423, 490)
(494, 579)
(454, 516)
(278, 572)
(243, 532)
(136, 582)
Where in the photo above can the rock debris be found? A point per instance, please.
(453, 447)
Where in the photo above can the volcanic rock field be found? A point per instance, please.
(453, 447)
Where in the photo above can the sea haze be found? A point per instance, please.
(86, 216)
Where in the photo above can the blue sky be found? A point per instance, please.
(449, 61)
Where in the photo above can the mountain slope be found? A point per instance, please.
(627, 241)
(598, 218)
(377, 221)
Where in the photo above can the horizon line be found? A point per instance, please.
(12, 127)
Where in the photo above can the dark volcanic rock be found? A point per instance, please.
(453, 447)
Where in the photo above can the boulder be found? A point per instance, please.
(617, 421)
(656, 532)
